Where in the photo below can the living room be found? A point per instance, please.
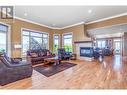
(48, 51)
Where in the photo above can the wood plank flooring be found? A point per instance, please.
(111, 74)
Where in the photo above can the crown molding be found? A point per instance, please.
(48, 26)
(35, 23)
(68, 26)
(79, 23)
(107, 18)
(73, 25)
(30, 21)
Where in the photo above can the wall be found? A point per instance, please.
(108, 22)
(125, 44)
(78, 34)
(16, 34)
(79, 31)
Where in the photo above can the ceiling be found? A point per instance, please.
(111, 31)
(63, 16)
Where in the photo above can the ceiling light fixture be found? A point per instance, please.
(53, 24)
(89, 11)
(25, 14)
(121, 29)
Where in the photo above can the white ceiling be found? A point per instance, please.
(111, 31)
(62, 16)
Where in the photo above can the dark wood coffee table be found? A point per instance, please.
(54, 60)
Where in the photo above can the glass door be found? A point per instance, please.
(117, 46)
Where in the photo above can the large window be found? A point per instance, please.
(33, 40)
(3, 37)
(101, 43)
(67, 42)
(56, 42)
(117, 46)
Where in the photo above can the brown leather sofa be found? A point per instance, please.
(38, 56)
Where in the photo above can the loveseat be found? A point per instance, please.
(38, 56)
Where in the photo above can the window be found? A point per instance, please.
(56, 43)
(117, 46)
(25, 41)
(67, 42)
(45, 41)
(101, 44)
(3, 37)
(33, 40)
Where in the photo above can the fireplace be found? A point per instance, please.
(86, 51)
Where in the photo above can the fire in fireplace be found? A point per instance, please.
(86, 51)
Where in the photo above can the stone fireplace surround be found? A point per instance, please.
(80, 44)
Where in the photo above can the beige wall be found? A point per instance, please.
(125, 45)
(79, 31)
(16, 34)
(109, 22)
(78, 34)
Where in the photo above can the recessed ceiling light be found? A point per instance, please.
(53, 24)
(89, 11)
(121, 29)
(25, 14)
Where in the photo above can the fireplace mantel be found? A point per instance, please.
(76, 42)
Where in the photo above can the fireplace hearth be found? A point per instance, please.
(86, 51)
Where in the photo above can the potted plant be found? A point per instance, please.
(2, 51)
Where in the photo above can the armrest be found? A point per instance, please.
(16, 60)
(28, 58)
(20, 64)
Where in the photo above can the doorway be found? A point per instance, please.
(117, 46)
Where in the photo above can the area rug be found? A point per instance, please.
(51, 69)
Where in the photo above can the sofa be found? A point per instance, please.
(11, 71)
(38, 56)
(63, 55)
(108, 52)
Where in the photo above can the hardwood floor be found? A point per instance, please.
(111, 74)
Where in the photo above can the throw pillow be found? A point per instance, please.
(34, 55)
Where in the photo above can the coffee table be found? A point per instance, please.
(54, 60)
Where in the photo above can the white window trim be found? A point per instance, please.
(63, 39)
(8, 39)
(101, 42)
(36, 31)
(58, 39)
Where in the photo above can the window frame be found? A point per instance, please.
(63, 39)
(8, 39)
(101, 43)
(54, 40)
(35, 31)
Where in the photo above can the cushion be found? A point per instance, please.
(45, 53)
(34, 55)
(48, 53)
(42, 53)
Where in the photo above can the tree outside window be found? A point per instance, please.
(67, 42)
(34, 40)
(56, 43)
